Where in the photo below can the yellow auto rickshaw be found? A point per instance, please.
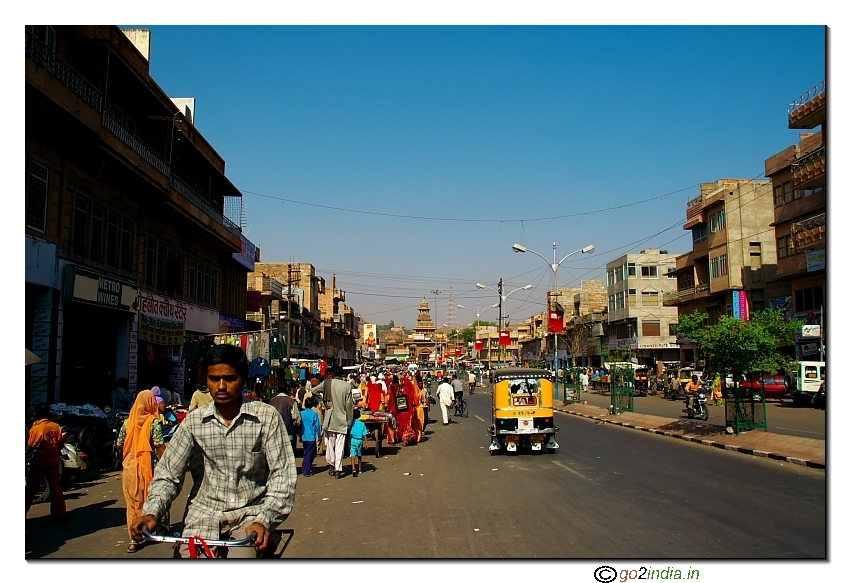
(523, 410)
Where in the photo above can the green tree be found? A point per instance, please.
(742, 346)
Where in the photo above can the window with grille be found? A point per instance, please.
(786, 192)
(128, 245)
(808, 299)
(777, 196)
(112, 227)
(649, 271)
(98, 229)
(755, 254)
(649, 298)
(718, 266)
(651, 328)
(37, 197)
(81, 225)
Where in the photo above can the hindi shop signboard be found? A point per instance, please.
(162, 320)
(740, 305)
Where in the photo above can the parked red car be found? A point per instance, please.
(775, 386)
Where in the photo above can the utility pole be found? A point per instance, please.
(290, 275)
(288, 309)
(501, 295)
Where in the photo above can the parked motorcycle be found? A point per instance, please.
(700, 408)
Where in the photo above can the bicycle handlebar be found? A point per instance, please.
(185, 539)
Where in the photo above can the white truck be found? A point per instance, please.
(807, 380)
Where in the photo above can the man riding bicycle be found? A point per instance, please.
(457, 386)
(243, 467)
(473, 380)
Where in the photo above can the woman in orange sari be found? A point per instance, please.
(143, 445)
(419, 424)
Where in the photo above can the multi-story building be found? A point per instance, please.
(339, 326)
(798, 178)
(580, 305)
(293, 304)
(132, 227)
(638, 320)
(733, 256)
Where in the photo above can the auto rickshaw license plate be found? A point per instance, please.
(525, 424)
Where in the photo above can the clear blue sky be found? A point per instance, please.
(506, 124)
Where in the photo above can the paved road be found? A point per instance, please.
(608, 492)
(782, 417)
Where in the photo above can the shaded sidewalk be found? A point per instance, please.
(797, 450)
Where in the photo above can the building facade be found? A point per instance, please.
(132, 228)
(798, 179)
(733, 255)
(291, 293)
(638, 320)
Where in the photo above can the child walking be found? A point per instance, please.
(357, 433)
(309, 432)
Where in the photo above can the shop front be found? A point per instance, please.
(95, 322)
(157, 342)
(41, 314)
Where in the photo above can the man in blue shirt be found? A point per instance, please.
(310, 432)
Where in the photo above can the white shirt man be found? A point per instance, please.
(445, 395)
(585, 380)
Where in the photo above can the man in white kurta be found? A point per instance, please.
(445, 394)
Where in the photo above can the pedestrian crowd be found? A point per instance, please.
(239, 443)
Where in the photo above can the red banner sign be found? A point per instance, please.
(255, 301)
(504, 338)
(479, 345)
(556, 321)
(458, 352)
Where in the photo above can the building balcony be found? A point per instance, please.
(63, 72)
(130, 140)
(809, 110)
(693, 212)
(674, 298)
(810, 170)
(809, 233)
(189, 194)
(267, 285)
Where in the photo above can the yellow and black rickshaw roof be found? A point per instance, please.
(520, 373)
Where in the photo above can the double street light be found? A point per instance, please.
(478, 311)
(502, 299)
(554, 265)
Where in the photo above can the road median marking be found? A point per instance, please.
(480, 419)
(572, 471)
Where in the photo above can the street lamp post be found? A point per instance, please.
(502, 299)
(436, 292)
(478, 311)
(554, 265)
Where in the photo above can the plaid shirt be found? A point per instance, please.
(248, 470)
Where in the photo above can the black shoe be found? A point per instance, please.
(331, 472)
(355, 474)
